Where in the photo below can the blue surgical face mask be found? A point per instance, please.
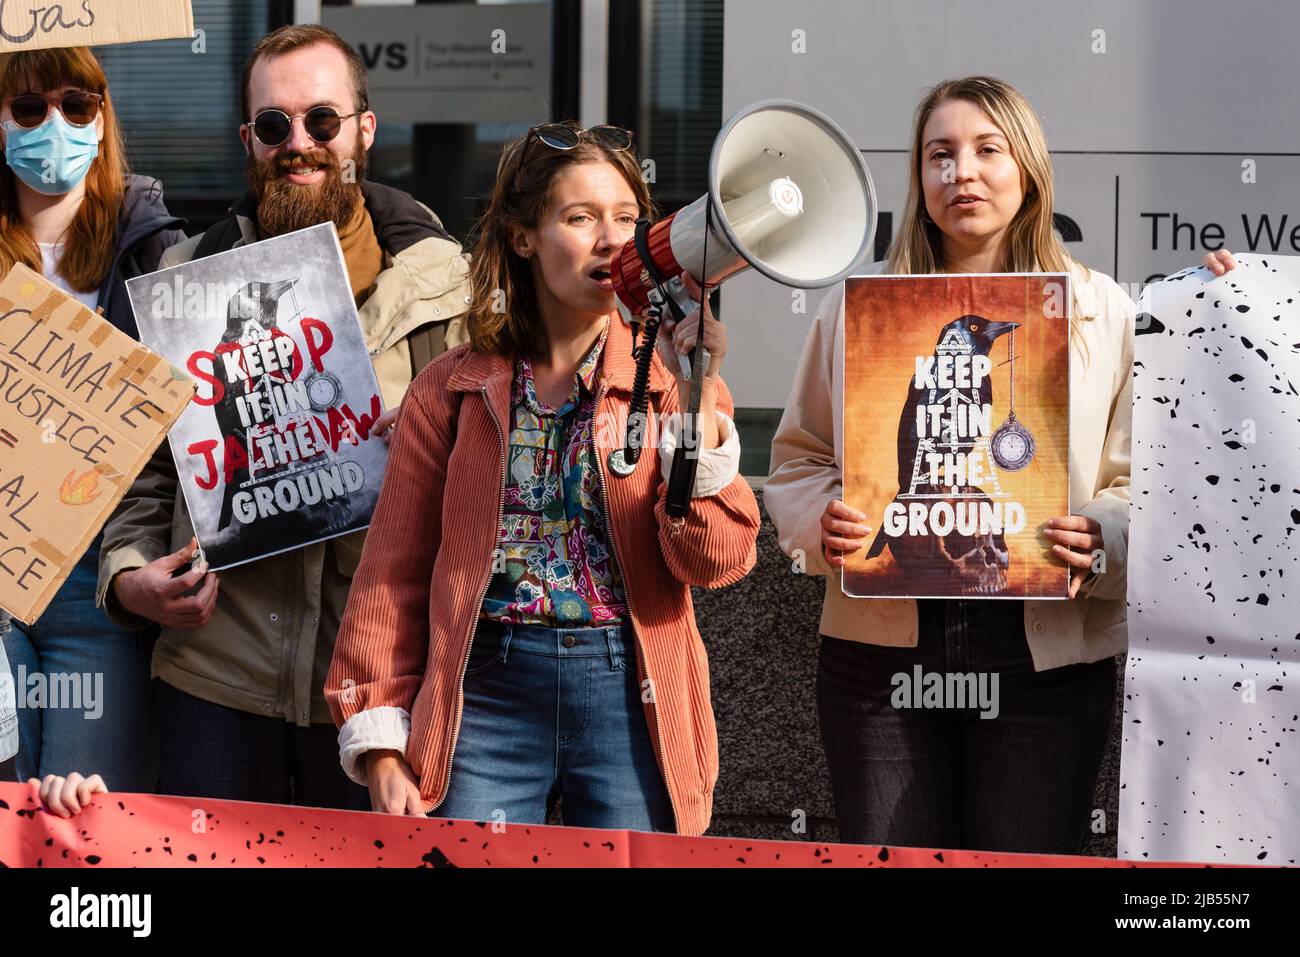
(54, 157)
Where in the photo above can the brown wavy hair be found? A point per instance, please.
(1031, 245)
(503, 315)
(88, 242)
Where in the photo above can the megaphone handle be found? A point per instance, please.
(681, 482)
(686, 457)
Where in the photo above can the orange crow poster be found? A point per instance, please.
(956, 433)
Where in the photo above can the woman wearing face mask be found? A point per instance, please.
(69, 210)
(520, 628)
(979, 201)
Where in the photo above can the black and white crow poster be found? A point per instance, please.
(275, 450)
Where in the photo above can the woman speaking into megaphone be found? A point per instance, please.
(520, 628)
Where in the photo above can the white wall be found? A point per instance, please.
(1158, 123)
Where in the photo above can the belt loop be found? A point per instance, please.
(616, 649)
(503, 652)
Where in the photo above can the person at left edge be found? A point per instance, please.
(70, 210)
(241, 669)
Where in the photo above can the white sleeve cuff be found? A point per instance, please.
(718, 467)
(375, 729)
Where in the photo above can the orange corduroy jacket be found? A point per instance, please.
(405, 636)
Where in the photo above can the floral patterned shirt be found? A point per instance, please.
(558, 568)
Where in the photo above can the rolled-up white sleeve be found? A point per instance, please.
(718, 467)
(375, 729)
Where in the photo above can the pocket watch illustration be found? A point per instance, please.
(1012, 444)
(323, 390)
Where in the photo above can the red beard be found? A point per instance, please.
(283, 207)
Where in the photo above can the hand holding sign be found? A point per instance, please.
(843, 530)
(153, 593)
(1220, 261)
(394, 787)
(1078, 539)
(385, 426)
(64, 797)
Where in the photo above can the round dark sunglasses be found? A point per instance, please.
(322, 123)
(30, 109)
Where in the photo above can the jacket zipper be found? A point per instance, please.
(464, 665)
(613, 550)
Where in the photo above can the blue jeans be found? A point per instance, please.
(943, 776)
(86, 702)
(555, 713)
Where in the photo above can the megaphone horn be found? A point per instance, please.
(788, 195)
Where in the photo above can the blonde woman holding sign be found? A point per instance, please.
(69, 210)
(1017, 774)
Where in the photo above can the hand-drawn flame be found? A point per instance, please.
(79, 489)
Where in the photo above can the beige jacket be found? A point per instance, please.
(267, 648)
(805, 475)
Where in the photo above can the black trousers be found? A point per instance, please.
(910, 766)
(209, 750)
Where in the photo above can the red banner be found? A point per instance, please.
(147, 830)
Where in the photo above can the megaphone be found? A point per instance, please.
(789, 195)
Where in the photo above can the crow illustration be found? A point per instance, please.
(972, 336)
(257, 303)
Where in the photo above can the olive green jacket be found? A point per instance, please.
(267, 647)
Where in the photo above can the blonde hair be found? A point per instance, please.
(1031, 244)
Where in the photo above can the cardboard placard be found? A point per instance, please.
(41, 24)
(82, 407)
(956, 433)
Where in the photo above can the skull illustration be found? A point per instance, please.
(979, 562)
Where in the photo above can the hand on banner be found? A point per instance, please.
(65, 797)
(843, 531)
(394, 788)
(386, 425)
(1078, 539)
(1220, 261)
(151, 592)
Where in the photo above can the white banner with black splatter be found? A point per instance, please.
(1211, 749)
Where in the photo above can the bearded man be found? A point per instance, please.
(240, 662)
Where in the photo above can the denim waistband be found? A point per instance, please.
(612, 640)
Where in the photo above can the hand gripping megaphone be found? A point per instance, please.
(788, 195)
